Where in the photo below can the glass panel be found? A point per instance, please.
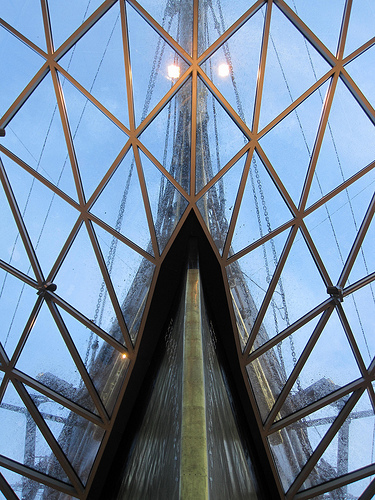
(16, 302)
(12, 250)
(324, 19)
(22, 440)
(299, 289)
(78, 438)
(79, 281)
(352, 490)
(36, 136)
(359, 308)
(67, 16)
(120, 204)
(292, 446)
(289, 144)
(348, 144)
(362, 72)
(153, 64)
(46, 358)
(167, 204)
(218, 137)
(216, 17)
(269, 372)
(96, 61)
(26, 17)
(106, 366)
(342, 454)
(330, 365)
(176, 18)
(236, 77)
(248, 279)
(168, 137)
(18, 65)
(21, 485)
(365, 261)
(216, 205)
(131, 276)
(262, 208)
(334, 225)
(361, 25)
(96, 139)
(292, 66)
(47, 217)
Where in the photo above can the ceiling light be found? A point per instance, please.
(173, 71)
(224, 69)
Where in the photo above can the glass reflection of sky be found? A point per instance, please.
(85, 194)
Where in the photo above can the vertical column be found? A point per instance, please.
(194, 469)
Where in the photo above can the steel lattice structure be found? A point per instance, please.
(94, 191)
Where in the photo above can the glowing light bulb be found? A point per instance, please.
(224, 69)
(123, 356)
(173, 71)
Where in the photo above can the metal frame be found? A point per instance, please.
(85, 219)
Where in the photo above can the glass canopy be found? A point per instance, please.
(117, 119)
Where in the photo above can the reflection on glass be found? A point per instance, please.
(168, 137)
(216, 205)
(293, 446)
(25, 442)
(18, 64)
(218, 137)
(120, 205)
(150, 57)
(341, 456)
(262, 208)
(69, 429)
(96, 61)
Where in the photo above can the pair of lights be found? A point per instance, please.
(174, 71)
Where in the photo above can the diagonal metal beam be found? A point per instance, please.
(338, 483)
(358, 95)
(357, 244)
(230, 31)
(306, 32)
(262, 67)
(298, 368)
(344, 29)
(18, 274)
(82, 30)
(109, 285)
(324, 443)
(317, 405)
(89, 324)
(315, 255)
(319, 139)
(39, 477)
(40, 177)
(92, 99)
(21, 225)
(237, 204)
(339, 189)
(58, 398)
(68, 134)
(290, 330)
(6, 489)
(161, 31)
(271, 288)
(48, 436)
(127, 65)
(78, 361)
